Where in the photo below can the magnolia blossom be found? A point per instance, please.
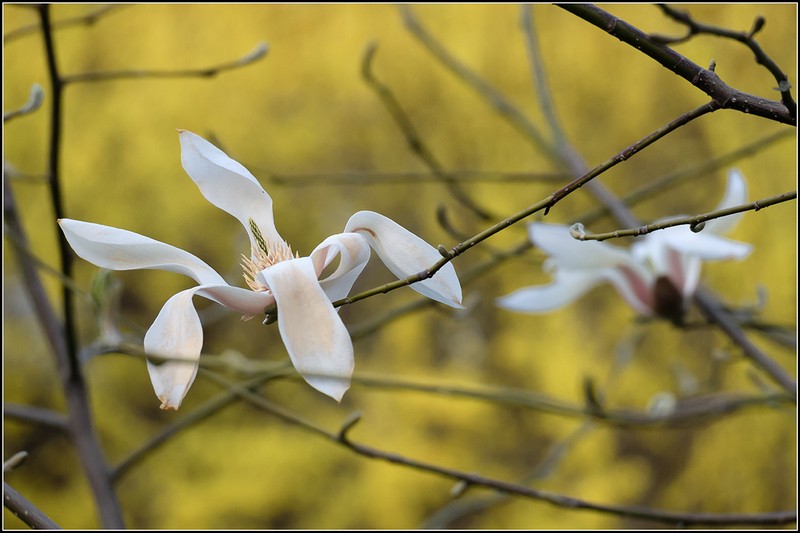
(657, 275)
(318, 343)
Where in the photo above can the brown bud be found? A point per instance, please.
(668, 300)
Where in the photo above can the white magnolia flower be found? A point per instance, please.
(318, 343)
(656, 276)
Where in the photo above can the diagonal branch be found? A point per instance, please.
(412, 136)
(704, 79)
(25, 510)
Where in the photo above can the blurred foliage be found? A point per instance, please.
(305, 109)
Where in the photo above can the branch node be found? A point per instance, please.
(351, 420)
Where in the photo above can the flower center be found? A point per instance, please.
(262, 256)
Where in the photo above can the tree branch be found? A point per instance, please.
(696, 222)
(342, 438)
(25, 510)
(207, 72)
(704, 79)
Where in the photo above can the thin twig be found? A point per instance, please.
(35, 99)
(413, 138)
(202, 412)
(663, 183)
(546, 103)
(36, 415)
(83, 20)
(695, 222)
(206, 72)
(405, 178)
(496, 99)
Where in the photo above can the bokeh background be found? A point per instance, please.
(300, 119)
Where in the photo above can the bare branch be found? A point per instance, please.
(704, 79)
(36, 415)
(342, 438)
(696, 222)
(34, 102)
(412, 136)
(25, 510)
(207, 72)
(84, 20)
(746, 38)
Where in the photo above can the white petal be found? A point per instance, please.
(353, 253)
(567, 287)
(315, 337)
(735, 194)
(405, 254)
(177, 336)
(566, 251)
(119, 249)
(228, 185)
(706, 246)
(236, 299)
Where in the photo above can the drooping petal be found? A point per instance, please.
(568, 286)
(228, 185)
(566, 251)
(405, 254)
(318, 343)
(353, 253)
(173, 344)
(735, 194)
(119, 249)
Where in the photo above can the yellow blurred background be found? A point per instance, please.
(304, 110)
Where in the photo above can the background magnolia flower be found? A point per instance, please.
(317, 341)
(656, 276)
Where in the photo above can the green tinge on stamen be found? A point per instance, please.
(262, 244)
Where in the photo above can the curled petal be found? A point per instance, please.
(173, 344)
(315, 337)
(119, 249)
(735, 194)
(353, 253)
(568, 252)
(228, 185)
(405, 254)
